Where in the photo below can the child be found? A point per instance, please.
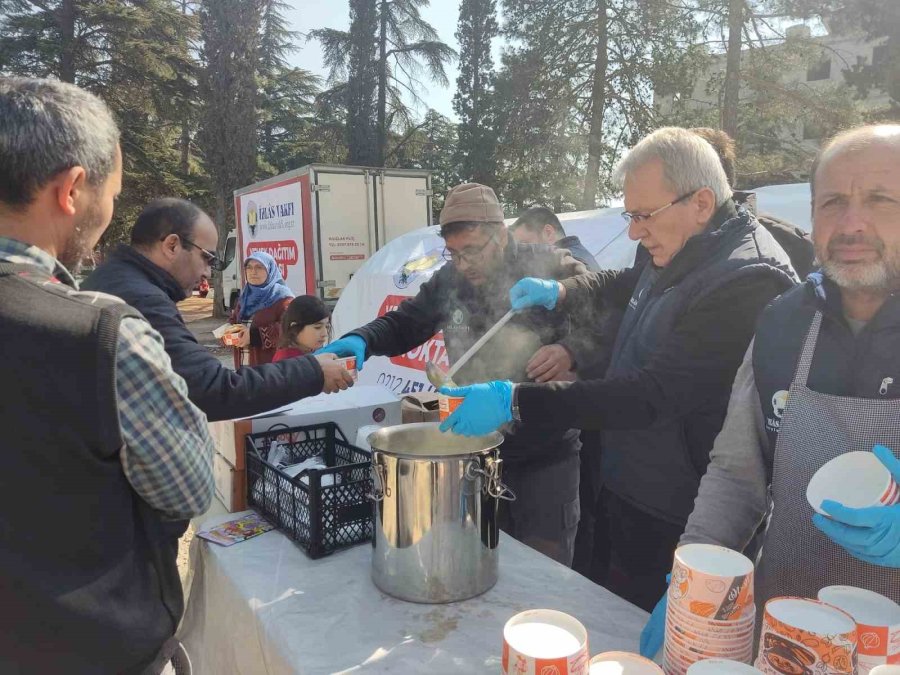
(305, 327)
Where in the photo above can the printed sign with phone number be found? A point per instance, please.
(402, 385)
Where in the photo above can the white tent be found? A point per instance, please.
(397, 270)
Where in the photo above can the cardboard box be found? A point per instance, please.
(231, 484)
(228, 436)
(356, 407)
(419, 407)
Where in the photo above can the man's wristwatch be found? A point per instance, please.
(517, 417)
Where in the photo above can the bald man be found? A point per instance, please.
(822, 378)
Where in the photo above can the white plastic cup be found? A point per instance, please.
(855, 479)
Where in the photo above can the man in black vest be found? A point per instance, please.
(104, 455)
(821, 378)
(689, 315)
(172, 248)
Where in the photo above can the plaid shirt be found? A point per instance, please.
(167, 451)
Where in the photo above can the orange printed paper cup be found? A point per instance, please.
(541, 641)
(623, 663)
(855, 479)
(447, 405)
(877, 622)
(712, 582)
(802, 635)
(349, 364)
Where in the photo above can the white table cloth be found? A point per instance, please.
(262, 606)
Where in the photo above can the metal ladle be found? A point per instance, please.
(439, 378)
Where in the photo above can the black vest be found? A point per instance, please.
(84, 585)
(658, 469)
(861, 366)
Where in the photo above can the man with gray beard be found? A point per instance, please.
(822, 378)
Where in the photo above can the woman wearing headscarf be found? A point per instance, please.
(262, 302)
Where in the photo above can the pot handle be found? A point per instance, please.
(379, 482)
(492, 483)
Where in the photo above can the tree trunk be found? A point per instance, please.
(731, 95)
(185, 141)
(66, 19)
(598, 106)
(219, 307)
(380, 131)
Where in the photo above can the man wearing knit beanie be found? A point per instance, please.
(464, 299)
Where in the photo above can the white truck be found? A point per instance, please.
(322, 222)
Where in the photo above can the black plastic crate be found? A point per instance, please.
(321, 518)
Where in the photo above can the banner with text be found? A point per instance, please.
(271, 221)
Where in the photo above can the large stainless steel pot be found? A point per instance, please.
(436, 499)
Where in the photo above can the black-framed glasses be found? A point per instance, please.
(641, 217)
(215, 262)
(475, 257)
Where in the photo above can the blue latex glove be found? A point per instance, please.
(531, 292)
(654, 631)
(349, 345)
(871, 534)
(487, 407)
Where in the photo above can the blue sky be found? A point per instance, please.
(309, 14)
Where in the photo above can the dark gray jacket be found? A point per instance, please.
(685, 330)
(448, 302)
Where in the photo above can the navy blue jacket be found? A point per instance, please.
(218, 391)
(579, 252)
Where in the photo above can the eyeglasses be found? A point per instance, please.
(641, 217)
(475, 257)
(215, 262)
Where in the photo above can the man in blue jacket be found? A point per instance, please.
(690, 311)
(172, 248)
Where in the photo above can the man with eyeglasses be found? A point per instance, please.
(172, 249)
(464, 299)
(690, 311)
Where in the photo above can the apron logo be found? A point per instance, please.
(779, 403)
(635, 299)
(457, 317)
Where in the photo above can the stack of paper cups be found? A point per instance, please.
(710, 611)
(721, 667)
(877, 624)
(806, 636)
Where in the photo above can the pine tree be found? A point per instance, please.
(133, 54)
(476, 29)
(601, 60)
(375, 65)
(287, 96)
(228, 87)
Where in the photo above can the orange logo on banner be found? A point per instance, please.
(432, 350)
(285, 252)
